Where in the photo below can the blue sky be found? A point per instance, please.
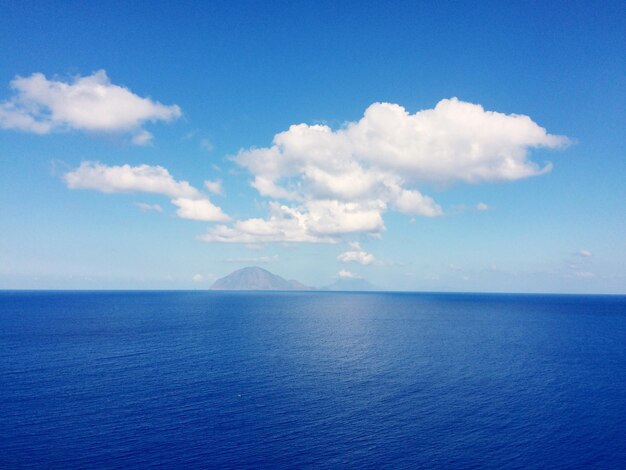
(422, 146)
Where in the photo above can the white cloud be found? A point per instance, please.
(199, 209)
(206, 145)
(126, 178)
(343, 274)
(191, 203)
(197, 278)
(90, 103)
(214, 187)
(584, 253)
(481, 206)
(144, 207)
(317, 221)
(454, 141)
(342, 181)
(356, 255)
(584, 274)
(142, 138)
(411, 202)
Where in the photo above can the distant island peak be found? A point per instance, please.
(256, 278)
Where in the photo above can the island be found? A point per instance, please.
(255, 278)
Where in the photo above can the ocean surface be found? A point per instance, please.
(311, 380)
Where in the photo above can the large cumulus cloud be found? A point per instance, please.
(326, 183)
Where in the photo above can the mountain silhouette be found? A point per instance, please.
(255, 278)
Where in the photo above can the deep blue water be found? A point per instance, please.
(326, 380)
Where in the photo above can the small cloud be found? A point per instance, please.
(199, 209)
(343, 274)
(357, 255)
(206, 145)
(454, 267)
(584, 253)
(214, 187)
(584, 274)
(142, 138)
(144, 207)
(481, 206)
(197, 278)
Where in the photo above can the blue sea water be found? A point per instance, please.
(311, 380)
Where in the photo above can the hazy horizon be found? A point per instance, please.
(311, 289)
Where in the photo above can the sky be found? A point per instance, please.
(422, 146)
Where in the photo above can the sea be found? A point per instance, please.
(311, 380)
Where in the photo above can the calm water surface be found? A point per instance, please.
(324, 380)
